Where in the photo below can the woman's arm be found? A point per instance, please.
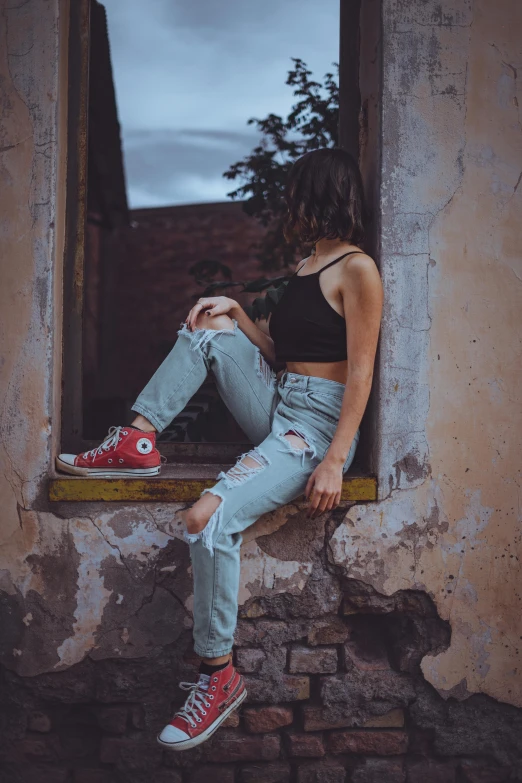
(362, 294)
(221, 305)
(256, 335)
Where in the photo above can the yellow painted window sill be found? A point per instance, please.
(176, 484)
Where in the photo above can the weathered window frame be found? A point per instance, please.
(76, 210)
(75, 216)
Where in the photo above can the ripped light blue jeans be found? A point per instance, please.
(266, 410)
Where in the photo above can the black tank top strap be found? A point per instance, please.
(299, 267)
(336, 260)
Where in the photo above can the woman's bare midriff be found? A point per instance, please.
(332, 371)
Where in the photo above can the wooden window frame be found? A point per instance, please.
(72, 439)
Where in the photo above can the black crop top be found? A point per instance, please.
(304, 326)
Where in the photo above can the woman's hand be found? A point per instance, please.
(324, 486)
(211, 305)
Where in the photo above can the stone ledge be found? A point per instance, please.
(177, 484)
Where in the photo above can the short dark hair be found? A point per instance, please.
(324, 198)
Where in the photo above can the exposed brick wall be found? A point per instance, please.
(139, 289)
(338, 698)
(149, 289)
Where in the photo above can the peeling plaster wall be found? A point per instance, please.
(117, 583)
(450, 410)
(108, 581)
(32, 166)
(104, 582)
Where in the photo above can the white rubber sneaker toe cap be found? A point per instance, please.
(172, 734)
(68, 459)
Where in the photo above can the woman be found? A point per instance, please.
(304, 421)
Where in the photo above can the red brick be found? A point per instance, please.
(308, 745)
(232, 722)
(113, 719)
(291, 688)
(321, 773)
(431, 772)
(230, 747)
(265, 719)
(319, 660)
(316, 719)
(332, 632)
(210, 772)
(39, 721)
(265, 773)
(480, 771)
(379, 743)
(280, 631)
(394, 719)
(379, 771)
(249, 660)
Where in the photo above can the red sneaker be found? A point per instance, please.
(205, 708)
(125, 452)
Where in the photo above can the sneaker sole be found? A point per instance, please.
(205, 735)
(74, 470)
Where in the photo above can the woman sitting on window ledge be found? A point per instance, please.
(304, 421)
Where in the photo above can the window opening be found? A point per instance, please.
(134, 268)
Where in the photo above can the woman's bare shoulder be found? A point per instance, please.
(361, 271)
(358, 261)
(301, 263)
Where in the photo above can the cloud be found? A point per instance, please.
(207, 66)
(182, 167)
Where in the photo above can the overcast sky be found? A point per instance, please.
(190, 73)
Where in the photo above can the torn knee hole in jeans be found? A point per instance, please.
(200, 337)
(297, 442)
(248, 466)
(207, 534)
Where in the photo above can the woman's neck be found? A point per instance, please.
(327, 249)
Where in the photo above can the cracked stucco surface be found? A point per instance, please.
(31, 243)
(117, 583)
(109, 582)
(449, 518)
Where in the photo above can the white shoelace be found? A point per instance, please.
(110, 442)
(195, 703)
